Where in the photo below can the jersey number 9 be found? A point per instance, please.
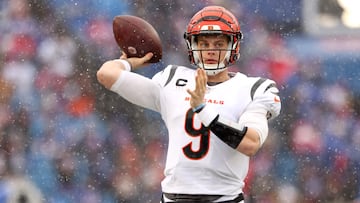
(202, 133)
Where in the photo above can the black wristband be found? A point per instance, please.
(228, 134)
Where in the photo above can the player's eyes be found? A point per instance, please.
(216, 45)
(203, 45)
(219, 45)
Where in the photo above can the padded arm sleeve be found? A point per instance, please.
(255, 118)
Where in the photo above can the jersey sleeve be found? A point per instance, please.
(265, 105)
(164, 77)
(266, 96)
(138, 90)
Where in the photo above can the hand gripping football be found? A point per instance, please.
(136, 37)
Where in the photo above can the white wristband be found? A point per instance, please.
(207, 115)
(125, 63)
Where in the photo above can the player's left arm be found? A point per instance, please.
(250, 132)
(265, 105)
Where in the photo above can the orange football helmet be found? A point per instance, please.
(213, 20)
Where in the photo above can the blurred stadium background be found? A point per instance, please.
(64, 138)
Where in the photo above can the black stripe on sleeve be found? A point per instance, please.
(270, 86)
(171, 75)
(255, 86)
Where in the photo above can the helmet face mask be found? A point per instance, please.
(213, 20)
(221, 54)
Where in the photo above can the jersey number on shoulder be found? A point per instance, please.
(201, 133)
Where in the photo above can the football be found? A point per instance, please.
(136, 37)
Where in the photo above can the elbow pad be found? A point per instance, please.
(229, 132)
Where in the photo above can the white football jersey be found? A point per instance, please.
(198, 162)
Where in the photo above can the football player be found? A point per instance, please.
(216, 119)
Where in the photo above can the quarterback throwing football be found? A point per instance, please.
(216, 119)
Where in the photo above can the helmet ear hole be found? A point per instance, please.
(185, 35)
(235, 57)
(187, 38)
(191, 58)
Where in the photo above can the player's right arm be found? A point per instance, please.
(115, 75)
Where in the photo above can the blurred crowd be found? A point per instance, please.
(64, 138)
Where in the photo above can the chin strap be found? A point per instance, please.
(211, 71)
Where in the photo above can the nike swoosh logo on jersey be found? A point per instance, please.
(277, 99)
